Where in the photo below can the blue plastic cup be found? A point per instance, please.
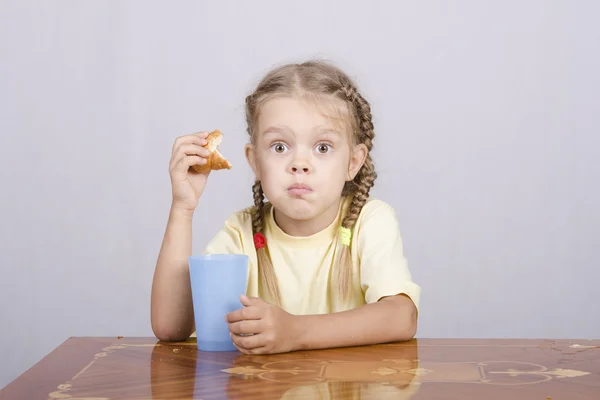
(217, 282)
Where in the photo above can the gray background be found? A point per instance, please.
(486, 116)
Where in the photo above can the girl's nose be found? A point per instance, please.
(298, 169)
(300, 165)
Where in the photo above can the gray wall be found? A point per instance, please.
(487, 142)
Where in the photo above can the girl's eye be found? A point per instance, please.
(323, 148)
(279, 147)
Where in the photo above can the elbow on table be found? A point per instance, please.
(166, 333)
(405, 330)
(409, 330)
(408, 320)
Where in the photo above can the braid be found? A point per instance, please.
(363, 114)
(259, 204)
(265, 266)
(366, 176)
(363, 182)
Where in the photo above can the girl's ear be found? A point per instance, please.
(357, 159)
(250, 152)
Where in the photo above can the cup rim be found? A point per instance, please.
(217, 257)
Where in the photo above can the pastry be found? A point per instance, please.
(215, 160)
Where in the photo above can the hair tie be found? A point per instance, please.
(259, 240)
(345, 235)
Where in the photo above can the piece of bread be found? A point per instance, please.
(216, 160)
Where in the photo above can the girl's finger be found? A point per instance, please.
(245, 313)
(189, 150)
(198, 139)
(202, 135)
(241, 350)
(185, 163)
(245, 327)
(248, 342)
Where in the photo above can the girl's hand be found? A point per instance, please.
(187, 185)
(268, 328)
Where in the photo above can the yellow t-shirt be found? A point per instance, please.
(303, 264)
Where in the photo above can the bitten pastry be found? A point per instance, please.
(216, 160)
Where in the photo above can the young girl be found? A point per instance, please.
(326, 264)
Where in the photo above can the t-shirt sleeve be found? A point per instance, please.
(229, 239)
(383, 266)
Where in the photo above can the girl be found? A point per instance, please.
(326, 265)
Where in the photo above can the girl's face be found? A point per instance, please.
(303, 158)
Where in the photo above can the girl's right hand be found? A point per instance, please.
(187, 185)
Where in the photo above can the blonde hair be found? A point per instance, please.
(317, 80)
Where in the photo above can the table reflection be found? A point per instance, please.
(355, 373)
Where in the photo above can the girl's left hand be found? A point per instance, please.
(271, 329)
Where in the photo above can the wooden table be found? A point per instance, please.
(143, 368)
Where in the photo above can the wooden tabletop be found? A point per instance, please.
(144, 368)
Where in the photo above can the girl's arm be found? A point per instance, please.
(263, 328)
(172, 312)
(391, 319)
